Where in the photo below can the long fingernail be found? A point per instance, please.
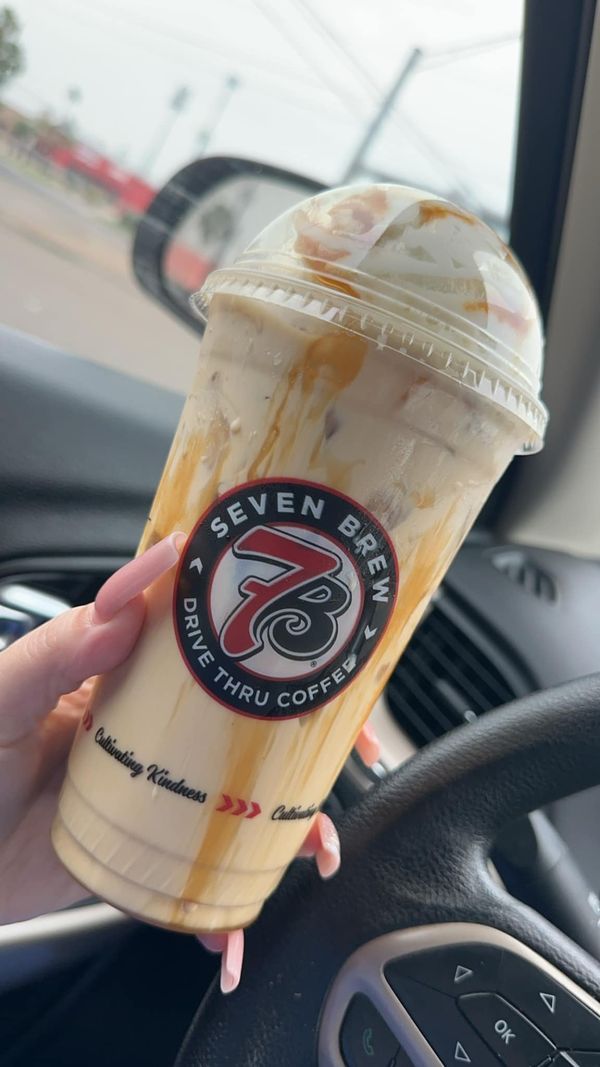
(328, 856)
(231, 962)
(367, 745)
(136, 575)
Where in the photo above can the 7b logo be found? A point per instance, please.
(283, 590)
(295, 611)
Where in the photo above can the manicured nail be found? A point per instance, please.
(367, 745)
(179, 540)
(129, 581)
(312, 841)
(328, 854)
(231, 961)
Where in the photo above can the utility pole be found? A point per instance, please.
(387, 104)
(74, 97)
(229, 87)
(176, 106)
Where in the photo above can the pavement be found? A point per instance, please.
(66, 277)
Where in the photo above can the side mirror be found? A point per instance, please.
(202, 219)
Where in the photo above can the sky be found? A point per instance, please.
(308, 78)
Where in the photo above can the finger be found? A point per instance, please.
(231, 961)
(126, 583)
(213, 942)
(367, 745)
(59, 728)
(74, 704)
(57, 657)
(232, 947)
(323, 843)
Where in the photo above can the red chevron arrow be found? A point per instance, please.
(242, 807)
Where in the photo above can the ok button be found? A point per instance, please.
(516, 1041)
(504, 1031)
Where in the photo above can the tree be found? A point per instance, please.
(11, 51)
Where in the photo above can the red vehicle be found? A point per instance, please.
(131, 193)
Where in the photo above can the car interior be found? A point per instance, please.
(464, 925)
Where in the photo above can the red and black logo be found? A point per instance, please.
(283, 591)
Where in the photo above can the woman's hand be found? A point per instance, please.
(45, 682)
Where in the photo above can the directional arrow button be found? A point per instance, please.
(453, 969)
(554, 1009)
(442, 1024)
(460, 1054)
(550, 1001)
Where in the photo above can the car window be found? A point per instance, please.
(101, 102)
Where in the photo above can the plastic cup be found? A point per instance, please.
(370, 366)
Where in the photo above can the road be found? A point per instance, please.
(66, 277)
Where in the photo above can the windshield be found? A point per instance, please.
(102, 102)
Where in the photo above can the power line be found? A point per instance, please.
(321, 78)
(436, 156)
(432, 60)
(95, 8)
(325, 31)
(280, 25)
(386, 104)
(385, 108)
(427, 61)
(210, 47)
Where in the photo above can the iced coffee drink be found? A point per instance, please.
(370, 366)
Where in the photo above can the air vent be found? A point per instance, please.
(524, 571)
(22, 608)
(73, 580)
(450, 673)
(32, 594)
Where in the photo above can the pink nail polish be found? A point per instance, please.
(179, 540)
(328, 862)
(135, 576)
(328, 855)
(367, 745)
(231, 962)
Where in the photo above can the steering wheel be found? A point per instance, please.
(414, 953)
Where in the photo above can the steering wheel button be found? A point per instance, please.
(556, 1011)
(441, 1023)
(516, 1041)
(453, 969)
(366, 1040)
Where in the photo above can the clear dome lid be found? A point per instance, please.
(412, 272)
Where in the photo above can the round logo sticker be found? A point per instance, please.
(282, 593)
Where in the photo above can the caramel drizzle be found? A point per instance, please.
(326, 367)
